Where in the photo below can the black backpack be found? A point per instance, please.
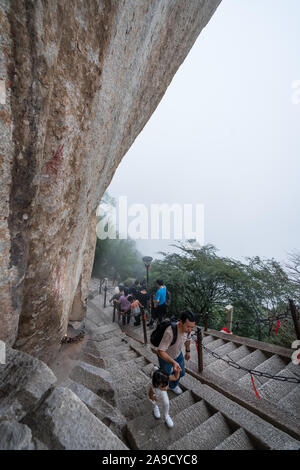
(157, 334)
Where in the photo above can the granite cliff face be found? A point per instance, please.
(78, 82)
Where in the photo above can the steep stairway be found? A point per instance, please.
(203, 419)
(116, 392)
(285, 395)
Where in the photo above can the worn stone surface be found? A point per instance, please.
(15, 436)
(63, 421)
(80, 84)
(96, 379)
(23, 382)
(100, 408)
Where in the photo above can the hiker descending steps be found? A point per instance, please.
(159, 394)
(169, 338)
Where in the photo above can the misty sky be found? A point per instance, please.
(226, 134)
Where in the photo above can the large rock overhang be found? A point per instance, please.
(78, 82)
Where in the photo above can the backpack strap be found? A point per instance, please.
(174, 329)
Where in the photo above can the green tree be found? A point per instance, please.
(202, 281)
(116, 259)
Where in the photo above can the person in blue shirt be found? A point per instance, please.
(160, 308)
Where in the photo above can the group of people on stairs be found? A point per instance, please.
(136, 300)
(174, 336)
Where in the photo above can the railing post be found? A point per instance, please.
(200, 349)
(229, 310)
(144, 326)
(114, 313)
(294, 316)
(206, 322)
(105, 290)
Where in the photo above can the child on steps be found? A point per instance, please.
(158, 393)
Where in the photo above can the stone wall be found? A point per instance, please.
(81, 79)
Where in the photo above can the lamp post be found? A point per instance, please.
(105, 290)
(147, 262)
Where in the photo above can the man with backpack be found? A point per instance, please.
(169, 338)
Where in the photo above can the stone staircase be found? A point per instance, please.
(203, 418)
(264, 358)
(100, 401)
(279, 401)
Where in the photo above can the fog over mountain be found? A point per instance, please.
(226, 134)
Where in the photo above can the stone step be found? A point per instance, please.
(136, 404)
(237, 441)
(207, 436)
(274, 390)
(148, 369)
(111, 351)
(291, 402)
(102, 345)
(272, 366)
(120, 353)
(184, 422)
(250, 362)
(103, 329)
(109, 335)
(208, 339)
(92, 359)
(140, 428)
(125, 385)
(97, 311)
(138, 360)
(127, 368)
(294, 368)
(119, 357)
(222, 351)
(218, 367)
(91, 320)
(213, 345)
(96, 379)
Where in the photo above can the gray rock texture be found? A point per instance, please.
(78, 83)
(96, 379)
(23, 382)
(108, 414)
(63, 421)
(15, 436)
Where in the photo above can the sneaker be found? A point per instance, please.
(169, 421)
(177, 390)
(156, 412)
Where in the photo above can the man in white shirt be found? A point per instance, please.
(170, 357)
